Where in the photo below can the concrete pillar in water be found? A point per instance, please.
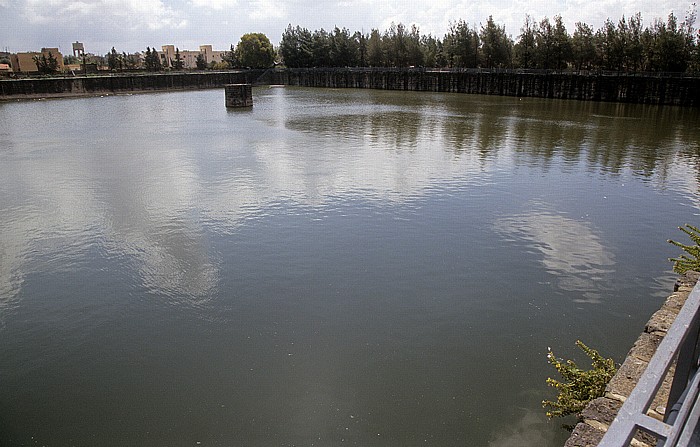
(239, 95)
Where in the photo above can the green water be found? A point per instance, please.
(330, 267)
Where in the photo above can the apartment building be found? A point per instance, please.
(189, 58)
(24, 62)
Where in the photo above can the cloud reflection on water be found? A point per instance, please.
(153, 194)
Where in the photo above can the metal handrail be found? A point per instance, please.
(681, 340)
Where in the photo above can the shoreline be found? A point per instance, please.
(598, 87)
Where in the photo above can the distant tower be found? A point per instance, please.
(78, 49)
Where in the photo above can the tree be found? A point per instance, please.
(561, 46)
(375, 50)
(52, 64)
(321, 48)
(152, 60)
(544, 40)
(296, 47)
(255, 51)
(634, 50)
(230, 58)
(131, 61)
(46, 65)
(461, 46)
(580, 386)
(157, 63)
(395, 44)
(432, 51)
(147, 60)
(343, 49)
(113, 59)
(201, 62)
(691, 261)
(178, 60)
(414, 53)
(610, 46)
(668, 46)
(361, 40)
(525, 48)
(496, 47)
(583, 47)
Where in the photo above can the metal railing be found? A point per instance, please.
(683, 409)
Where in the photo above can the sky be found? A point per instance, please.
(132, 25)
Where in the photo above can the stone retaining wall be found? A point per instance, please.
(678, 90)
(13, 89)
(600, 412)
(643, 89)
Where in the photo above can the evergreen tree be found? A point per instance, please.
(525, 47)
(375, 51)
(148, 60)
(46, 65)
(52, 64)
(561, 45)
(230, 58)
(496, 47)
(157, 63)
(361, 40)
(461, 46)
(414, 52)
(321, 48)
(544, 40)
(583, 47)
(201, 62)
(113, 59)
(178, 60)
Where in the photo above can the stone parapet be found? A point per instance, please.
(599, 414)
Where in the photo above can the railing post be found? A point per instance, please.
(686, 367)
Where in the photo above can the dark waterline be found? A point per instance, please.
(326, 268)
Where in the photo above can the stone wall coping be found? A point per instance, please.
(599, 414)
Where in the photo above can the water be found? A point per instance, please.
(330, 267)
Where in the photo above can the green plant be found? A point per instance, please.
(683, 263)
(579, 386)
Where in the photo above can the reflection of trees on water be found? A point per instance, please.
(607, 137)
(392, 129)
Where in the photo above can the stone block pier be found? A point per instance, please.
(239, 95)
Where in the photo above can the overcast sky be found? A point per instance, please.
(131, 25)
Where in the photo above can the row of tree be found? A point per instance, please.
(666, 46)
(253, 51)
(46, 64)
(627, 45)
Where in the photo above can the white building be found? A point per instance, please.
(189, 58)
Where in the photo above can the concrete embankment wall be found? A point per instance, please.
(683, 91)
(599, 414)
(121, 83)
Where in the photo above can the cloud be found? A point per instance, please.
(215, 5)
(132, 24)
(266, 9)
(107, 14)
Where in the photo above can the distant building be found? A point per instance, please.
(5, 69)
(189, 58)
(24, 62)
(78, 49)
